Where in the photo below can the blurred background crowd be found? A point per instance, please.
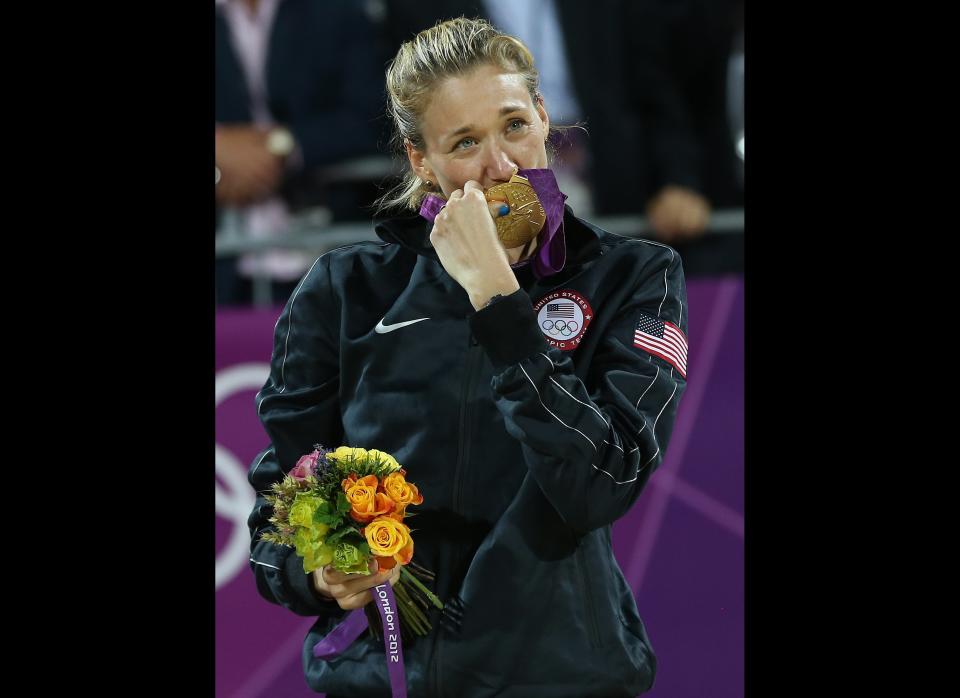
(302, 139)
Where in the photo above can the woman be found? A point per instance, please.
(529, 390)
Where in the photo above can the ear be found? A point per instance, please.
(542, 113)
(417, 161)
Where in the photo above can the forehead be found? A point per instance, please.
(473, 99)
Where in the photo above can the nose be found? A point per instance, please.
(499, 166)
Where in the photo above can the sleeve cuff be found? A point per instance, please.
(508, 330)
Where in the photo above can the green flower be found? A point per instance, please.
(309, 538)
(348, 558)
(319, 555)
(303, 542)
(312, 547)
(301, 513)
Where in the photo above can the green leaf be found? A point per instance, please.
(341, 532)
(331, 520)
(343, 504)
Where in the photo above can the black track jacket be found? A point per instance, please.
(529, 427)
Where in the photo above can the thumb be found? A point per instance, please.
(498, 208)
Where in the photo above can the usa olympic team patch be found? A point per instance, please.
(563, 317)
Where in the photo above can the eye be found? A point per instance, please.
(465, 143)
(516, 124)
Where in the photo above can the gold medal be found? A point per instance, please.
(526, 216)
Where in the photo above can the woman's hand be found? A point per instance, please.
(351, 591)
(465, 238)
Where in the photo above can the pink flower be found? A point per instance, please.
(305, 466)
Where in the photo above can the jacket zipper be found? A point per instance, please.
(474, 355)
(592, 626)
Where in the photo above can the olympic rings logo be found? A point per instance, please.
(563, 317)
(233, 496)
(560, 328)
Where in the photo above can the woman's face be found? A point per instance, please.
(480, 126)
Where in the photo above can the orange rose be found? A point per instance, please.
(401, 491)
(389, 541)
(365, 502)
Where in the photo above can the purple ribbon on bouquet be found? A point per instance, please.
(350, 628)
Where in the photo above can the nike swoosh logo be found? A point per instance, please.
(383, 329)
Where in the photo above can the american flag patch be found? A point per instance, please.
(663, 339)
(561, 310)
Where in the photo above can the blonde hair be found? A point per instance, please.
(448, 49)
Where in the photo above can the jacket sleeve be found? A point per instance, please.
(590, 444)
(298, 407)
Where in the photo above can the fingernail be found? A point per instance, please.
(504, 210)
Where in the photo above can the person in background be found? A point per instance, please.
(296, 89)
(678, 52)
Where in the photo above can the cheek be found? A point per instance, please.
(537, 155)
(465, 170)
(530, 154)
(455, 175)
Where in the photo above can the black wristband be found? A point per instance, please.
(508, 330)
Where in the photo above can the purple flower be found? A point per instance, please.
(305, 466)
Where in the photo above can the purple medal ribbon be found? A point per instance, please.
(551, 253)
(356, 622)
(342, 636)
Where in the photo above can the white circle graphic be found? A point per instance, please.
(560, 318)
(563, 316)
(234, 501)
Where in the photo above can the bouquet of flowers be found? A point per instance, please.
(346, 507)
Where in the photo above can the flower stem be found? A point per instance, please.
(403, 597)
(422, 571)
(408, 576)
(408, 613)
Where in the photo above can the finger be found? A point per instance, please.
(367, 581)
(454, 195)
(331, 575)
(360, 583)
(498, 208)
(472, 185)
(354, 601)
(361, 589)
